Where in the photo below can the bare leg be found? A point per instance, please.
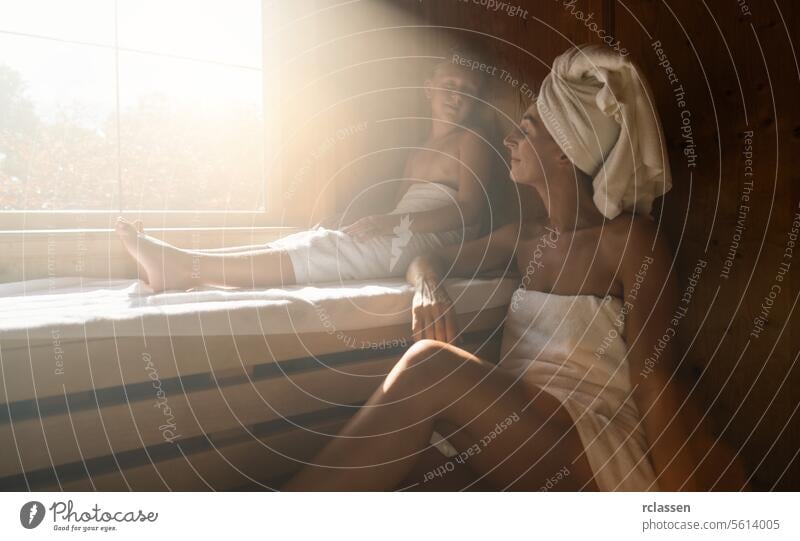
(437, 382)
(140, 271)
(248, 248)
(168, 267)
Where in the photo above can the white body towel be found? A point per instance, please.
(326, 255)
(572, 348)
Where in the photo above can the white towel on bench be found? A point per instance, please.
(93, 308)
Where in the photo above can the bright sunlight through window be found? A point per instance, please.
(131, 105)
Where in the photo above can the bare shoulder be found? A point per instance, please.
(633, 241)
(469, 141)
(629, 234)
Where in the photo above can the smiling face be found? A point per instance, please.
(451, 92)
(535, 156)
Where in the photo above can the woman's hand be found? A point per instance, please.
(372, 226)
(432, 314)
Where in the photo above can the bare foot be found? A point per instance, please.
(165, 266)
(139, 269)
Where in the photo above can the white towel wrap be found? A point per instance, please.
(325, 255)
(599, 109)
(571, 347)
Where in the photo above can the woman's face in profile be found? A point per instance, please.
(533, 152)
(451, 93)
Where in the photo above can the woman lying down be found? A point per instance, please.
(573, 394)
(439, 201)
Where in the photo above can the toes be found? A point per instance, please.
(126, 228)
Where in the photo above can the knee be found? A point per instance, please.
(427, 359)
(418, 365)
(422, 352)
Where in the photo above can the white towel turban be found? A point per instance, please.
(599, 110)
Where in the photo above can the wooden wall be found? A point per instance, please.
(739, 73)
(738, 69)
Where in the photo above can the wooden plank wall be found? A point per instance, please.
(739, 73)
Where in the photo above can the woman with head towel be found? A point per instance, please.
(585, 389)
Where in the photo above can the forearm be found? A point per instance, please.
(668, 435)
(493, 252)
(658, 398)
(448, 218)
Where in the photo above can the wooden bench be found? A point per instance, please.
(188, 413)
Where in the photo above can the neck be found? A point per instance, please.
(569, 204)
(440, 128)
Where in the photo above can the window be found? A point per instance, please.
(131, 105)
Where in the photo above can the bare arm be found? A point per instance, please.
(653, 301)
(432, 316)
(494, 251)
